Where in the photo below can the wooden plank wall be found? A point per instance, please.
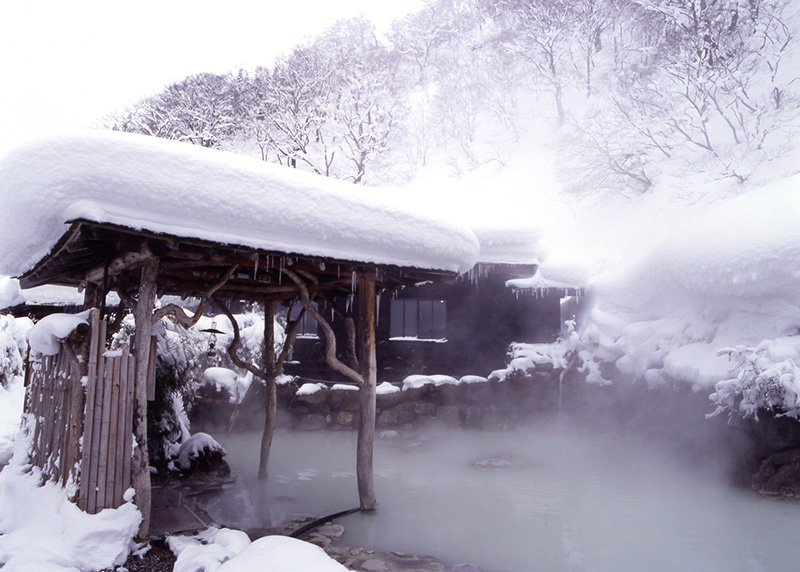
(107, 443)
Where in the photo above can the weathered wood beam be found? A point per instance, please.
(330, 338)
(178, 313)
(121, 263)
(367, 394)
(140, 465)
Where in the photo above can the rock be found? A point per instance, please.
(344, 418)
(785, 457)
(400, 415)
(389, 400)
(470, 416)
(374, 565)
(448, 414)
(315, 398)
(424, 408)
(500, 462)
(311, 422)
(344, 399)
(778, 433)
(785, 482)
(494, 422)
(388, 435)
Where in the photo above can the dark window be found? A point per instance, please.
(422, 319)
(308, 325)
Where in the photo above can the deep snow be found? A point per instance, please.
(223, 197)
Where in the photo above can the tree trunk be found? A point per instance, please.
(269, 367)
(369, 373)
(140, 466)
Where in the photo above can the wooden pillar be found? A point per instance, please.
(140, 465)
(92, 296)
(367, 393)
(269, 367)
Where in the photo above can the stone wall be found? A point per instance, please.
(487, 404)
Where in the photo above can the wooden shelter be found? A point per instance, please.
(144, 218)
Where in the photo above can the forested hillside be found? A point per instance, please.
(632, 96)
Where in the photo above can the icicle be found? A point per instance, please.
(338, 271)
(255, 267)
(378, 308)
(353, 282)
(322, 266)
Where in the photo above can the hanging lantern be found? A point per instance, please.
(212, 338)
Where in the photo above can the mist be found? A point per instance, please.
(617, 478)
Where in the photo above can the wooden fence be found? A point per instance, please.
(84, 418)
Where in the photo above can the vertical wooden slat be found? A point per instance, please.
(127, 449)
(94, 449)
(88, 427)
(113, 427)
(119, 480)
(50, 412)
(102, 467)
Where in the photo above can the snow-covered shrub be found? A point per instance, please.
(201, 453)
(13, 347)
(767, 377)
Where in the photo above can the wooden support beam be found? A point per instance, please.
(120, 263)
(140, 466)
(269, 367)
(367, 393)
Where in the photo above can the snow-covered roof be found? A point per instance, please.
(161, 186)
(508, 245)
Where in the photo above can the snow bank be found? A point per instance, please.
(40, 529)
(165, 186)
(728, 276)
(226, 550)
(45, 337)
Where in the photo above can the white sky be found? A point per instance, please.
(66, 64)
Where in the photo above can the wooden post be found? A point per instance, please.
(92, 296)
(140, 466)
(269, 367)
(367, 393)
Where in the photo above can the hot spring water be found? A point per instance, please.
(543, 500)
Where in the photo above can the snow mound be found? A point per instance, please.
(194, 446)
(417, 381)
(45, 337)
(226, 550)
(385, 388)
(165, 186)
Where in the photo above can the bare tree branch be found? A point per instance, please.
(330, 338)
